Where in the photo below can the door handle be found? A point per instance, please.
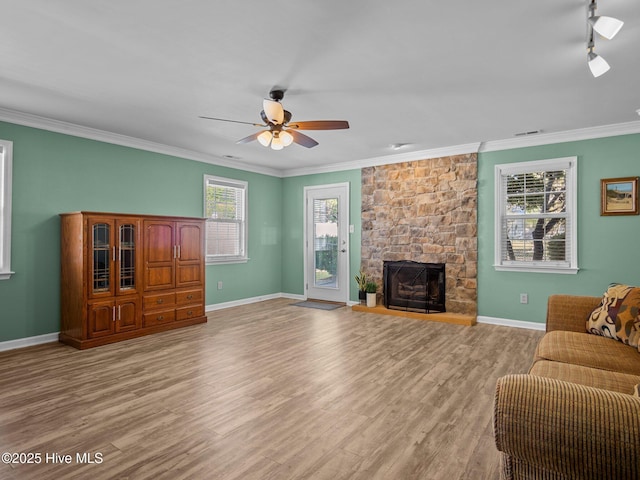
(343, 250)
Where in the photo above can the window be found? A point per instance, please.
(536, 216)
(6, 149)
(225, 207)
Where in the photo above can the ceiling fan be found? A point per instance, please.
(281, 131)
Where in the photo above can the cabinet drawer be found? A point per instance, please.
(160, 300)
(189, 312)
(189, 297)
(158, 318)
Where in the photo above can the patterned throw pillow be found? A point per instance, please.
(618, 316)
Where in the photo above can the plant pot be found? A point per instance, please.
(371, 300)
(362, 296)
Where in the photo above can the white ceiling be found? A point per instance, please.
(431, 74)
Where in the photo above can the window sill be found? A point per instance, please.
(536, 269)
(6, 275)
(227, 261)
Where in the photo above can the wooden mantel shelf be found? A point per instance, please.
(445, 317)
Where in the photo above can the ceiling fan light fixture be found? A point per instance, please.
(286, 138)
(265, 138)
(273, 110)
(597, 64)
(276, 119)
(608, 27)
(276, 143)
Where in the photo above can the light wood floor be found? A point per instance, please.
(265, 391)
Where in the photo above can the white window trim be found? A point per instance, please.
(244, 258)
(6, 158)
(571, 165)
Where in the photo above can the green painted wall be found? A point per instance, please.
(54, 173)
(293, 227)
(607, 246)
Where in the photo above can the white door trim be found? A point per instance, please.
(344, 235)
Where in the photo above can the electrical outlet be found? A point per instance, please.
(524, 298)
(220, 285)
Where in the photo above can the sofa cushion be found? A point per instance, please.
(618, 315)
(588, 376)
(589, 351)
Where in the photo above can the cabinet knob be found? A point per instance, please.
(160, 300)
(161, 317)
(190, 312)
(189, 297)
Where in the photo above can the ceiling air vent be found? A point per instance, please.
(525, 134)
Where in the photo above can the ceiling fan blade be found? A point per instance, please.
(274, 111)
(302, 139)
(250, 138)
(233, 121)
(320, 125)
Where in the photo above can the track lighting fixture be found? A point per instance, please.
(597, 64)
(606, 27)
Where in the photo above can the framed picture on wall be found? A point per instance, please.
(619, 196)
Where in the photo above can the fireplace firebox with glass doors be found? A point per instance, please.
(414, 286)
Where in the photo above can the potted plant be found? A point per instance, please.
(361, 280)
(371, 289)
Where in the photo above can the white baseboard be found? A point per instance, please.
(247, 301)
(53, 337)
(28, 341)
(505, 322)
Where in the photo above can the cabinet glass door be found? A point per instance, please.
(127, 256)
(101, 245)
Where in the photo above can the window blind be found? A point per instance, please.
(535, 221)
(225, 211)
(535, 216)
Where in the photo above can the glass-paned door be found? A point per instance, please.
(102, 250)
(327, 242)
(127, 256)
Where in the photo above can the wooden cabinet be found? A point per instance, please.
(173, 254)
(107, 317)
(129, 275)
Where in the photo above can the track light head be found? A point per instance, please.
(597, 64)
(608, 27)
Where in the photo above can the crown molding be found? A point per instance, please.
(58, 126)
(589, 133)
(386, 160)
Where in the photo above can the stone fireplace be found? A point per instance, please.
(414, 286)
(424, 211)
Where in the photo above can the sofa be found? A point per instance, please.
(576, 414)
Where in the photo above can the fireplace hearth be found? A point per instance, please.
(414, 286)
